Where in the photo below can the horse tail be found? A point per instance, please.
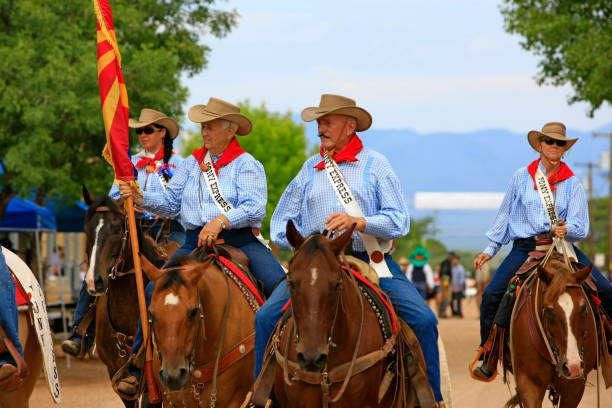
(513, 402)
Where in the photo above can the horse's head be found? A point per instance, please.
(104, 231)
(315, 281)
(176, 317)
(565, 315)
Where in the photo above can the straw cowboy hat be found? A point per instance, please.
(218, 109)
(419, 256)
(150, 117)
(554, 130)
(339, 105)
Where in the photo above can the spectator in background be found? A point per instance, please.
(57, 263)
(458, 285)
(483, 277)
(403, 262)
(445, 283)
(419, 272)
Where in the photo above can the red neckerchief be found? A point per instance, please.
(562, 173)
(146, 161)
(232, 151)
(347, 154)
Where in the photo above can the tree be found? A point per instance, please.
(50, 121)
(277, 142)
(574, 40)
(422, 232)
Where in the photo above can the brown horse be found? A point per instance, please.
(200, 317)
(110, 261)
(33, 357)
(555, 297)
(331, 332)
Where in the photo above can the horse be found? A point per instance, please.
(331, 351)
(33, 357)
(110, 263)
(561, 348)
(202, 327)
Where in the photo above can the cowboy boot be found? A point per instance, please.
(127, 380)
(489, 364)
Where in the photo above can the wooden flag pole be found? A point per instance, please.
(154, 396)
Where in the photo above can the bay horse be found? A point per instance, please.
(331, 334)
(553, 337)
(34, 359)
(203, 330)
(109, 279)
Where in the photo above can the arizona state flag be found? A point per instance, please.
(113, 95)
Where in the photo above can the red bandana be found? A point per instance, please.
(347, 154)
(562, 173)
(232, 151)
(150, 161)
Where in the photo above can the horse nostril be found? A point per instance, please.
(582, 364)
(565, 370)
(301, 359)
(99, 283)
(163, 376)
(182, 375)
(321, 361)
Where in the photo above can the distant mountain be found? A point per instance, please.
(479, 161)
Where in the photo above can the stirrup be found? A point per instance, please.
(473, 367)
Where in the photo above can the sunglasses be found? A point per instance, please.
(147, 130)
(550, 141)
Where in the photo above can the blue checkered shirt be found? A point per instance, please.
(310, 199)
(522, 215)
(148, 181)
(243, 185)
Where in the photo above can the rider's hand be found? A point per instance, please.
(209, 233)
(480, 260)
(126, 190)
(561, 229)
(342, 221)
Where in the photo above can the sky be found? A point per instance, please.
(425, 65)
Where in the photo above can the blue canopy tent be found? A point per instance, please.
(69, 218)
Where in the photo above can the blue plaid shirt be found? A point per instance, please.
(522, 215)
(310, 199)
(243, 184)
(148, 181)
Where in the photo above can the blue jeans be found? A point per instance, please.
(263, 264)
(494, 292)
(177, 234)
(409, 303)
(9, 316)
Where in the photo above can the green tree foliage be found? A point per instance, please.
(277, 142)
(422, 232)
(573, 39)
(51, 121)
(599, 226)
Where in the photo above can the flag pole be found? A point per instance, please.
(154, 396)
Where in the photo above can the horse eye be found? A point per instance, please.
(338, 285)
(548, 310)
(192, 313)
(290, 284)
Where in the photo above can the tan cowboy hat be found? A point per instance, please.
(554, 130)
(151, 116)
(218, 109)
(339, 105)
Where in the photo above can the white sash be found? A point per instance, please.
(548, 201)
(41, 322)
(214, 189)
(344, 194)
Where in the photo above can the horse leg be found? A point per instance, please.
(531, 394)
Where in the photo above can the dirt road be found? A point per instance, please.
(86, 383)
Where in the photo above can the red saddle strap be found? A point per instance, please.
(204, 372)
(248, 283)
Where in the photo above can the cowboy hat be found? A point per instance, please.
(338, 105)
(218, 109)
(419, 256)
(151, 116)
(554, 130)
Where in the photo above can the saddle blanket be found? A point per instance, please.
(29, 284)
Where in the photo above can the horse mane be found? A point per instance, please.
(313, 244)
(171, 278)
(557, 285)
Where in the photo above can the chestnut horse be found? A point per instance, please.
(203, 329)
(553, 337)
(33, 357)
(329, 330)
(110, 261)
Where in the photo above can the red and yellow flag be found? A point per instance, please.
(113, 95)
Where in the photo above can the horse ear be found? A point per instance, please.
(340, 243)
(293, 235)
(544, 275)
(583, 274)
(87, 196)
(195, 270)
(149, 269)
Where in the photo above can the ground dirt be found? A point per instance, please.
(86, 384)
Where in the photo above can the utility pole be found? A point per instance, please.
(609, 235)
(589, 165)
